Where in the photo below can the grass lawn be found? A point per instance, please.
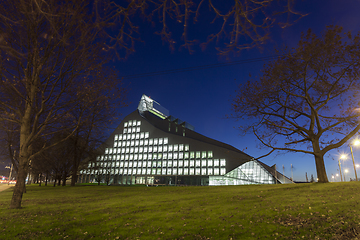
(296, 211)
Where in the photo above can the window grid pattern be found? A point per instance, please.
(134, 152)
(249, 173)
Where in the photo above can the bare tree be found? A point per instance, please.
(308, 99)
(51, 53)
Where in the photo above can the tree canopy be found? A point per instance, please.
(308, 99)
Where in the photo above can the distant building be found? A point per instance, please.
(151, 147)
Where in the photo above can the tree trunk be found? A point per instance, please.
(319, 161)
(320, 169)
(64, 179)
(74, 175)
(20, 183)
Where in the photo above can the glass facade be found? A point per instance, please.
(147, 155)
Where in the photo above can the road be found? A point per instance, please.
(5, 186)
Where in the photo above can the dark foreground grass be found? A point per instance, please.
(297, 211)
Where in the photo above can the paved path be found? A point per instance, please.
(4, 186)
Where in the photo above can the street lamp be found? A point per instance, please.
(336, 176)
(355, 143)
(343, 157)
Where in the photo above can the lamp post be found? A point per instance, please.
(343, 156)
(345, 171)
(355, 143)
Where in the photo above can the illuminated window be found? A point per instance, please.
(136, 150)
(126, 164)
(170, 156)
(141, 142)
(137, 143)
(110, 150)
(137, 136)
(180, 163)
(186, 163)
(146, 142)
(119, 150)
(175, 164)
(222, 171)
(166, 140)
(133, 136)
(141, 149)
(138, 123)
(175, 155)
(192, 155)
(203, 163)
(134, 122)
(130, 124)
(116, 137)
(210, 171)
(159, 156)
(186, 147)
(209, 163)
(197, 154)
(186, 155)
(138, 129)
(163, 171)
(222, 162)
(216, 171)
(123, 143)
(197, 163)
(140, 163)
(169, 164)
(145, 149)
(155, 148)
(153, 171)
(125, 124)
(135, 164)
(174, 171)
(150, 149)
(154, 156)
(192, 171)
(120, 137)
(132, 143)
(135, 157)
(169, 171)
(155, 141)
(106, 150)
(164, 163)
(198, 171)
(140, 156)
(181, 155)
(132, 150)
(216, 162)
(121, 164)
(151, 141)
(149, 163)
(159, 164)
(192, 162)
(147, 135)
(125, 130)
(139, 171)
(170, 148)
(122, 157)
(127, 143)
(131, 157)
(149, 156)
(128, 137)
(160, 141)
(180, 171)
(144, 156)
(210, 154)
(165, 155)
(153, 164)
(158, 171)
(148, 171)
(181, 147)
(141, 135)
(176, 147)
(165, 148)
(203, 154)
(160, 148)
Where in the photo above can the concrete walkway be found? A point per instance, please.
(4, 186)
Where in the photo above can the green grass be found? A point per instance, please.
(297, 211)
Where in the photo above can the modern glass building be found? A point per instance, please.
(151, 147)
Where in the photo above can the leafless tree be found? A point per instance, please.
(308, 99)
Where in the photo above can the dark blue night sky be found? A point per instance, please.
(203, 97)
